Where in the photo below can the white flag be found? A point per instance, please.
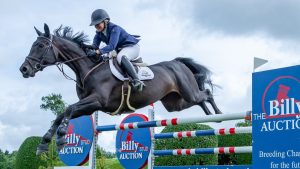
(258, 62)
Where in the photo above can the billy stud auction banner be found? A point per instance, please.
(276, 118)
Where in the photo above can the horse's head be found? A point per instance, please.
(41, 54)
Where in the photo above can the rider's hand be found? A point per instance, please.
(85, 46)
(104, 57)
(91, 53)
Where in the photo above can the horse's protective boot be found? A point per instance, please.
(137, 84)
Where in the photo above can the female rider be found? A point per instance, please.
(115, 38)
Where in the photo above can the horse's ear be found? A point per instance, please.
(47, 30)
(38, 32)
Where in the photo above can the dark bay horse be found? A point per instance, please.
(178, 84)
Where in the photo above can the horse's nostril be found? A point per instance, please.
(24, 69)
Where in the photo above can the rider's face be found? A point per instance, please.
(100, 26)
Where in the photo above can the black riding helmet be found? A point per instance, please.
(98, 16)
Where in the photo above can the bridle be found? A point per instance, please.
(59, 64)
(39, 66)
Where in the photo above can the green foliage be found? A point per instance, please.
(101, 152)
(246, 123)
(236, 140)
(54, 103)
(100, 159)
(2, 160)
(186, 143)
(103, 159)
(100, 162)
(26, 157)
(51, 157)
(113, 163)
(7, 160)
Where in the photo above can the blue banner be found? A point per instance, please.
(133, 146)
(79, 141)
(276, 122)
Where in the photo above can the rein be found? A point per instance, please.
(59, 65)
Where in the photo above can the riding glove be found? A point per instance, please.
(91, 53)
(104, 58)
(96, 57)
(85, 46)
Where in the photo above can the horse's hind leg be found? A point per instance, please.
(46, 139)
(174, 102)
(193, 95)
(205, 108)
(212, 102)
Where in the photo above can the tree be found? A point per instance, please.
(54, 103)
(11, 160)
(100, 158)
(7, 160)
(2, 160)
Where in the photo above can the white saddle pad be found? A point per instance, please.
(144, 73)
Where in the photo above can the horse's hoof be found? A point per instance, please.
(60, 147)
(62, 131)
(60, 143)
(47, 137)
(219, 112)
(208, 92)
(42, 148)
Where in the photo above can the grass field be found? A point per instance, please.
(114, 164)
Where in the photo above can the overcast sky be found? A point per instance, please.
(222, 35)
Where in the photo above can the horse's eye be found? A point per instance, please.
(41, 45)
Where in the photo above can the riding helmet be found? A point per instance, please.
(98, 16)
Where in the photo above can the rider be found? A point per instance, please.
(115, 38)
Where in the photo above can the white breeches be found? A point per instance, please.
(131, 52)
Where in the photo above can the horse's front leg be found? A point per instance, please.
(86, 106)
(46, 139)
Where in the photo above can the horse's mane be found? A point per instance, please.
(67, 33)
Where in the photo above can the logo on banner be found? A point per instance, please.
(133, 146)
(281, 102)
(79, 140)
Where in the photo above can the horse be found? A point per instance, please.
(178, 84)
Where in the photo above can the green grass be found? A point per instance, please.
(114, 163)
(111, 163)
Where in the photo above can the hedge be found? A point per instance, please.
(26, 157)
(186, 143)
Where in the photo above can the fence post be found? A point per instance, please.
(151, 156)
(94, 147)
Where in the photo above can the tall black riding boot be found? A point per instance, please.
(128, 67)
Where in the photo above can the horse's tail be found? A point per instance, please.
(201, 73)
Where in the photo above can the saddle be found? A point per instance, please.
(144, 72)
